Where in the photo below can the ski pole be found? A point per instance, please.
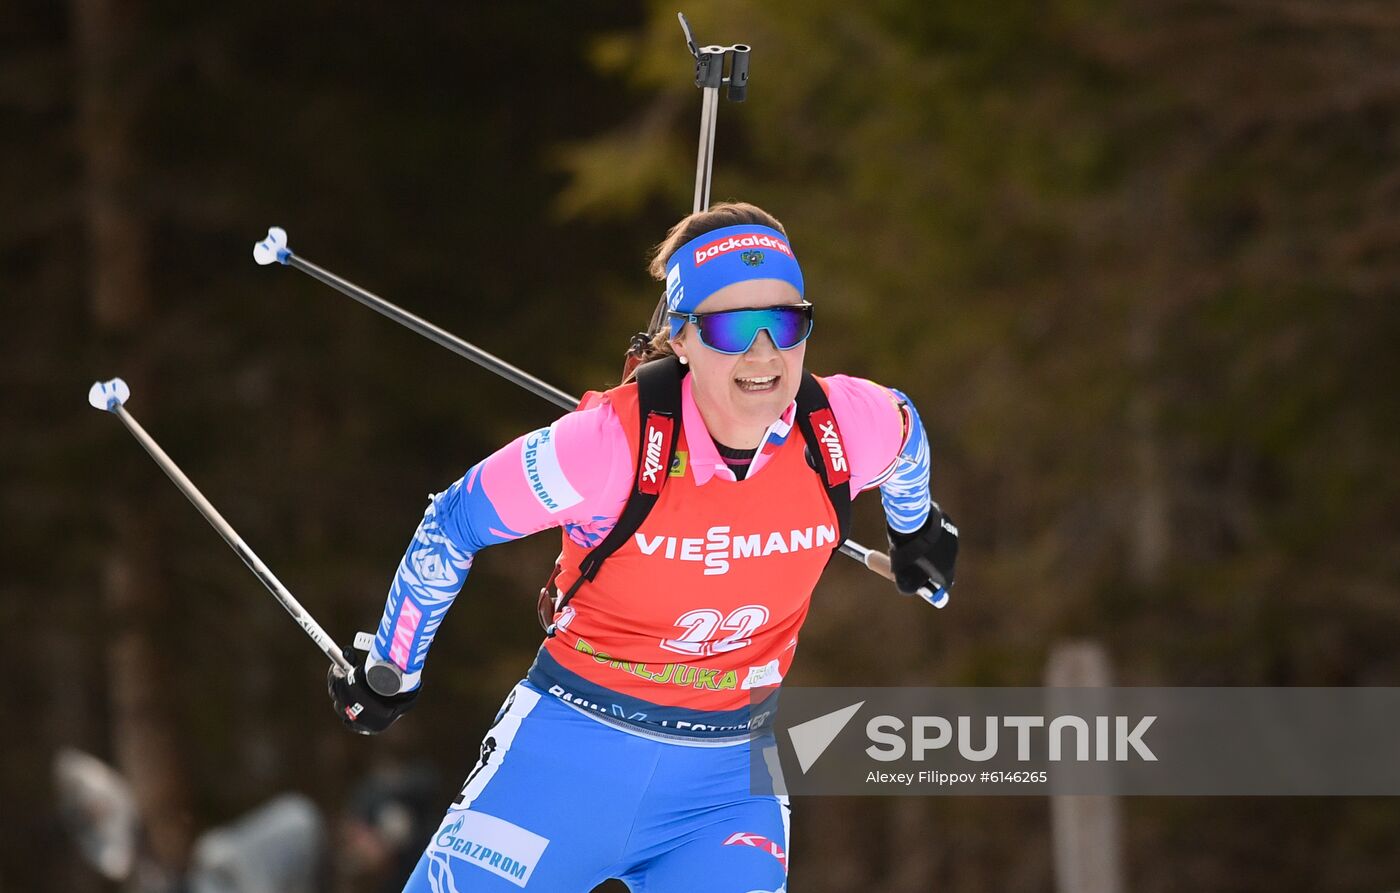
(879, 562)
(709, 77)
(112, 396)
(274, 249)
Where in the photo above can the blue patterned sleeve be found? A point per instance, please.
(574, 474)
(458, 522)
(905, 493)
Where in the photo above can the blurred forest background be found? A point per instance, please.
(1134, 261)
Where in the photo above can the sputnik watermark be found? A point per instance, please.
(1017, 741)
(1112, 739)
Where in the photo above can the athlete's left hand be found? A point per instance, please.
(927, 556)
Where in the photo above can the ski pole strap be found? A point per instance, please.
(826, 451)
(659, 402)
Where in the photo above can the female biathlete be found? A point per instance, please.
(624, 753)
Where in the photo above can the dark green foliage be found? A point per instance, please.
(1135, 263)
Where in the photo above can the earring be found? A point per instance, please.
(684, 361)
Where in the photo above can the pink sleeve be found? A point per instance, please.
(872, 425)
(577, 474)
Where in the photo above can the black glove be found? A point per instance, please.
(927, 556)
(357, 705)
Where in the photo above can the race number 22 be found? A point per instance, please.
(707, 631)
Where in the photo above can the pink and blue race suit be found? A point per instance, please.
(625, 751)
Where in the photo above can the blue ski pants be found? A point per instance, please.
(560, 801)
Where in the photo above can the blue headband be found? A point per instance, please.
(724, 256)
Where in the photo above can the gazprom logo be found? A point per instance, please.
(448, 836)
(540, 462)
(491, 844)
(531, 456)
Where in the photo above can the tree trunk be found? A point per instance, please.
(143, 737)
(1087, 831)
(1150, 528)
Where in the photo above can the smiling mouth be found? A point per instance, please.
(758, 384)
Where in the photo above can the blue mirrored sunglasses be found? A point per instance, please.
(734, 331)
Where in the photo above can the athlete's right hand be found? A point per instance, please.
(358, 706)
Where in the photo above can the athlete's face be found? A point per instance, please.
(740, 395)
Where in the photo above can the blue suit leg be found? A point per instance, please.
(548, 806)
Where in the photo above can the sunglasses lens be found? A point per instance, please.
(790, 326)
(735, 331)
(729, 332)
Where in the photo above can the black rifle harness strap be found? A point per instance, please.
(658, 414)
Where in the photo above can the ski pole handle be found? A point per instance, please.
(111, 396)
(879, 562)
